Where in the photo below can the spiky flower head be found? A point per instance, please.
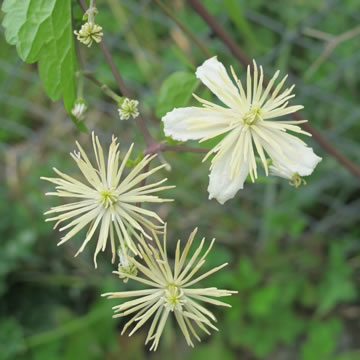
(170, 291)
(246, 124)
(89, 33)
(128, 108)
(107, 200)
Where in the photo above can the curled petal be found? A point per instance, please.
(213, 74)
(281, 171)
(304, 160)
(291, 154)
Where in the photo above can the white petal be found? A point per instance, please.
(213, 74)
(193, 123)
(305, 160)
(221, 186)
(296, 156)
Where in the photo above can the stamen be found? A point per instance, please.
(174, 297)
(297, 180)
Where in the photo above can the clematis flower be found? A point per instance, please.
(170, 291)
(245, 125)
(89, 33)
(107, 201)
(128, 108)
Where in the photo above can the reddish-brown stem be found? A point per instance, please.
(118, 78)
(198, 42)
(238, 53)
(152, 146)
(160, 147)
(183, 148)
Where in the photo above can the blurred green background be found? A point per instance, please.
(293, 253)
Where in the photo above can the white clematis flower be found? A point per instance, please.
(107, 199)
(246, 126)
(170, 290)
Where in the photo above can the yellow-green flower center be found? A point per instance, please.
(252, 116)
(107, 198)
(174, 297)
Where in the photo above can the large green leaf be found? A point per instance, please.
(42, 31)
(175, 92)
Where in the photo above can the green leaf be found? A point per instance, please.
(337, 285)
(322, 340)
(11, 339)
(262, 300)
(247, 276)
(215, 349)
(42, 32)
(175, 92)
(352, 355)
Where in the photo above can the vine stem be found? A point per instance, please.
(239, 54)
(120, 82)
(152, 146)
(104, 87)
(155, 146)
(183, 148)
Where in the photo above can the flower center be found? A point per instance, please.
(174, 297)
(252, 116)
(107, 198)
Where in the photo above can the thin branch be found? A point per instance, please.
(238, 53)
(118, 78)
(183, 27)
(161, 146)
(155, 146)
(321, 35)
(102, 86)
(332, 42)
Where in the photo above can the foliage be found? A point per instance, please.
(175, 92)
(293, 254)
(43, 32)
